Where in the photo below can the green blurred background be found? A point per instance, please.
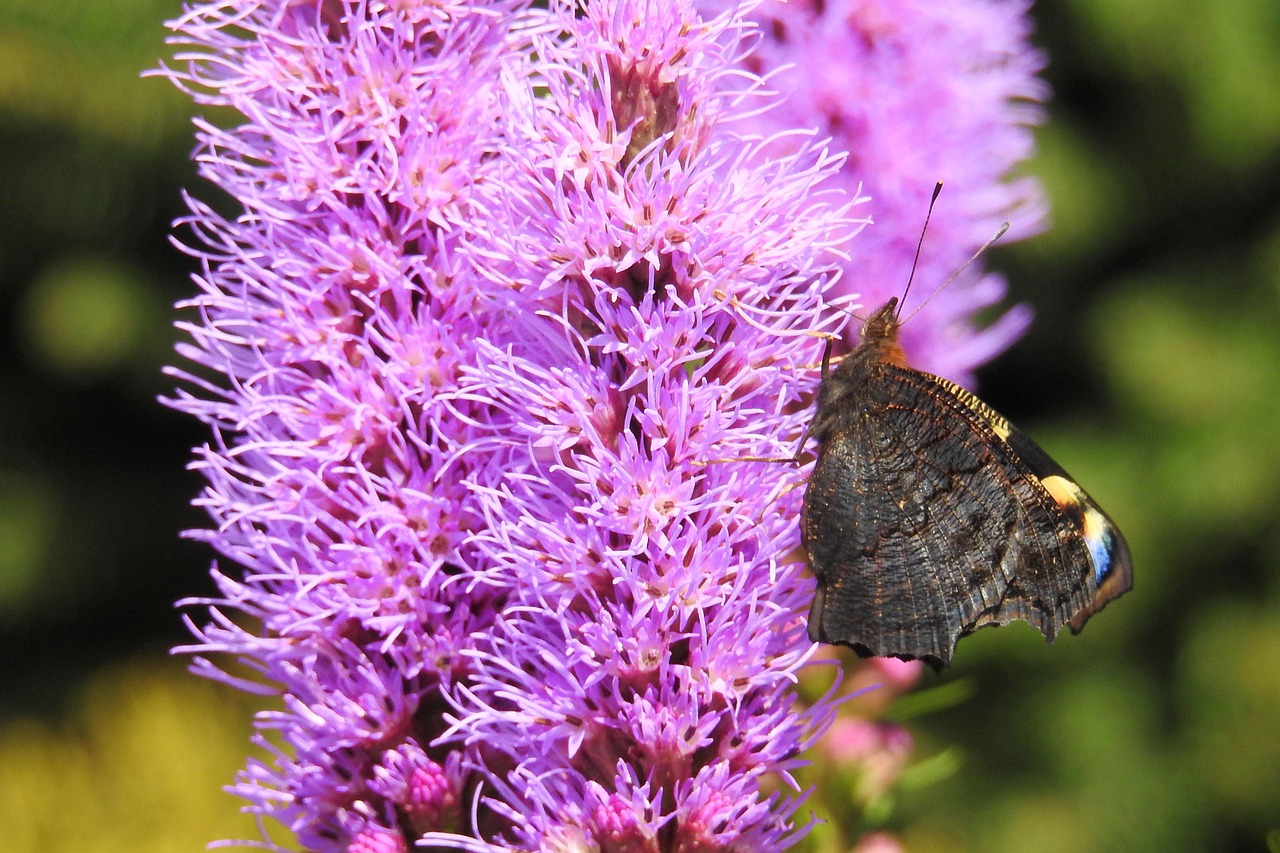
(1153, 374)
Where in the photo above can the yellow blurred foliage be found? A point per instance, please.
(137, 768)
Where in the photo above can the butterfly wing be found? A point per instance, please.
(1108, 553)
(928, 516)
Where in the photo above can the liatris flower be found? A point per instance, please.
(659, 285)
(918, 91)
(332, 325)
(503, 287)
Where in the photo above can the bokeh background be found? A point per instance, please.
(1152, 374)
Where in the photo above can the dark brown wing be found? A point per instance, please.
(923, 524)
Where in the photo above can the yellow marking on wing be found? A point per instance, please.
(1095, 532)
(1094, 522)
(969, 399)
(1065, 492)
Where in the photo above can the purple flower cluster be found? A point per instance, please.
(502, 289)
(918, 91)
(334, 319)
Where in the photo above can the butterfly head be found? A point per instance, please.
(880, 334)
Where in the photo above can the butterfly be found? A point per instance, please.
(929, 516)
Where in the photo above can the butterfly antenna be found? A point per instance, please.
(987, 245)
(937, 188)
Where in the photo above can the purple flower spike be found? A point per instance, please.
(509, 298)
(334, 319)
(659, 285)
(917, 92)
